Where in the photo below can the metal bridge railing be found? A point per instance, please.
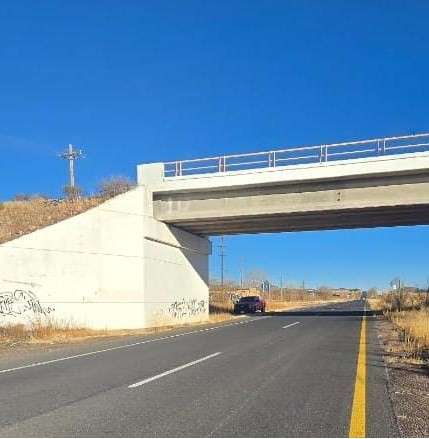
(301, 155)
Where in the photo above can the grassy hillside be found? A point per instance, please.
(19, 218)
(29, 213)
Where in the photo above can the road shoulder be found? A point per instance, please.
(408, 384)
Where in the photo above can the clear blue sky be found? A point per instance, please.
(142, 81)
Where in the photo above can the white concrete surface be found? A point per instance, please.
(368, 192)
(113, 266)
(385, 165)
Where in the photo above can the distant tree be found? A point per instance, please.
(116, 185)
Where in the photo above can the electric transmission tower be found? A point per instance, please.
(71, 154)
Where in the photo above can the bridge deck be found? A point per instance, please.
(368, 192)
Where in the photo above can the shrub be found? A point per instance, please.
(113, 186)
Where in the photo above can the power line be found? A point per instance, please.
(71, 155)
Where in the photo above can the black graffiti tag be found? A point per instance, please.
(20, 302)
(187, 308)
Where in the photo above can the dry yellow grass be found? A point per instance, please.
(376, 303)
(410, 317)
(395, 301)
(44, 331)
(221, 317)
(414, 328)
(52, 332)
(19, 218)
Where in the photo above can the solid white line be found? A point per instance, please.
(292, 324)
(176, 369)
(87, 354)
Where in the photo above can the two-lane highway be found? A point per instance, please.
(291, 374)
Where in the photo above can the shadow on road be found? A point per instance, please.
(330, 313)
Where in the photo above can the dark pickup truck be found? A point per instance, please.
(249, 304)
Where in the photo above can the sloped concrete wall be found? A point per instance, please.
(113, 267)
(176, 285)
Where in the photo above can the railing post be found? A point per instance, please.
(220, 164)
(224, 163)
(180, 168)
(378, 146)
(384, 146)
(321, 153)
(274, 159)
(326, 153)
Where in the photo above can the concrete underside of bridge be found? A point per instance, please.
(392, 194)
(341, 219)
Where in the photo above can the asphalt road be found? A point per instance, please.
(273, 375)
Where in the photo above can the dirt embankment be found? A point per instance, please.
(18, 218)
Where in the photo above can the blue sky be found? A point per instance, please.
(143, 81)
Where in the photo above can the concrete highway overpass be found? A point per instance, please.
(141, 258)
(366, 192)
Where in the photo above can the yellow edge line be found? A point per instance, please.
(358, 417)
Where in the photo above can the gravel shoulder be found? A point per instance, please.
(408, 384)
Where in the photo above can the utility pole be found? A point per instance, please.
(222, 257)
(400, 295)
(396, 285)
(71, 155)
(241, 272)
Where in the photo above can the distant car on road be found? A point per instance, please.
(250, 304)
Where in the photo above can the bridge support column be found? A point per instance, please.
(175, 264)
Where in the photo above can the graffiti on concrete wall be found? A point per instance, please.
(187, 308)
(21, 302)
(233, 296)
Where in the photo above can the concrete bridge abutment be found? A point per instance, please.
(112, 267)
